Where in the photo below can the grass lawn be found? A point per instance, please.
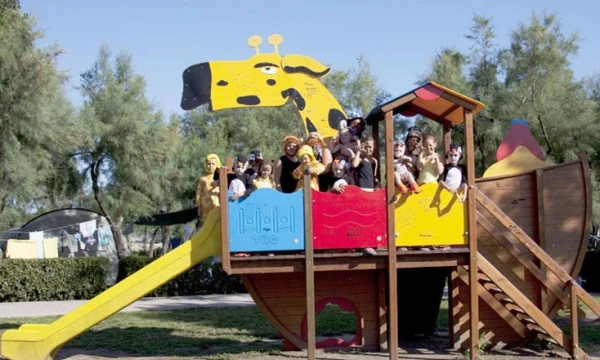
(217, 333)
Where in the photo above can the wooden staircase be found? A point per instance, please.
(521, 313)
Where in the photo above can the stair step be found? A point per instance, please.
(504, 298)
(526, 318)
(536, 327)
(514, 307)
(483, 277)
(492, 288)
(546, 338)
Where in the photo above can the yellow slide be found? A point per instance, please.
(41, 342)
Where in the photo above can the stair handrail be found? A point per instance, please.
(537, 251)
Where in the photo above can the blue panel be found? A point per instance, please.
(267, 220)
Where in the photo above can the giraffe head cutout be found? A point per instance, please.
(265, 80)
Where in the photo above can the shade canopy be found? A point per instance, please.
(430, 100)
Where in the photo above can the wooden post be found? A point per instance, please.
(376, 152)
(224, 200)
(391, 234)
(471, 199)
(447, 135)
(574, 326)
(539, 186)
(310, 270)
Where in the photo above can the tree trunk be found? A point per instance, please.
(166, 239)
(150, 252)
(115, 227)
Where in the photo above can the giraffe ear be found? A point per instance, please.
(292, 64)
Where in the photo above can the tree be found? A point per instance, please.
(127, 146)
(30, 101)
(543, 89)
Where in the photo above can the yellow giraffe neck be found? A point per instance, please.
(319, 109)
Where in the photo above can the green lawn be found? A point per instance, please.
(216, 333)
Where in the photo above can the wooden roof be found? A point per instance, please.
(430, 100)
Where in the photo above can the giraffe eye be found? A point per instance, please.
(269, 70)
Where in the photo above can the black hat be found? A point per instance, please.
(241, 158)
(414, 131)
(256, 154)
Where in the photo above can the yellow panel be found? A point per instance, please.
(521, 160)
(432, 217)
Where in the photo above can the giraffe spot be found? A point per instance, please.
(310, 126)
(271, 82)
(222, 83)
(295, 96)
(334, 117)
(248, 100)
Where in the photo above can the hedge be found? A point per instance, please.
(204, 278)
(52, 279)
(590, 271)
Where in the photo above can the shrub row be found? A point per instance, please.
(84, 278)
(52, 279)
(203, 279)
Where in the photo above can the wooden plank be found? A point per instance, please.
(503, 236)
(376, 152)
(498, 308)
(447, 129)
(541, 226)
(397, 103)
(224, 200)
(383, 344)
(311, 334)
(391, 234)
(473, 284)
(456, 100)
(524, 303)
(536, 250)
(574, 326)
(452, 302)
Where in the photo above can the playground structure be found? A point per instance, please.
(520, 236)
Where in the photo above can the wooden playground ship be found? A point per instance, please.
(524, 233)
(516, 243)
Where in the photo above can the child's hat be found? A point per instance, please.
(414, 131)
(455, 148)
(306, 150)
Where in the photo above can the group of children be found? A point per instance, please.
(348, 160)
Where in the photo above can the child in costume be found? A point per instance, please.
(264, 179)
(307, 158)
(284, 180)
(401, 174)
(454, 176)
(207, 192)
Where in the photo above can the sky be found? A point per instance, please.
(398, 38)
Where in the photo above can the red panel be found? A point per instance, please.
(428, 93)
(355, 219)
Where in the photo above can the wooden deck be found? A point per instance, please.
(349, 261)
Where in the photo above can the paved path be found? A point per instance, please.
(52, 308)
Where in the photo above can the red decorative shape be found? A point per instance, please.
(408, 112)
(428, 93)
(518, 135)
(355, 219)
(345, 305)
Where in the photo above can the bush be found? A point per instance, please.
(52, 279)
(203, 279)
(590, 271)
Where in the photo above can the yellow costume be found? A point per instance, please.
(207, 195)
(315, 168)
(264, 183)
(428, 173)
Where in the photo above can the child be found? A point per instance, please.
(366, 168)
(342, 148)
(286, 164)
(365, 164)
(413, 149)
(239, 183)
(307, 158)
(340, 177)
(401, 173)
(430, 167)
(454, 175)
(264, 179)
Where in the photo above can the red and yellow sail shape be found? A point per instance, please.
(519, 152)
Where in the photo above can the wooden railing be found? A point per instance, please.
(509, 236)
